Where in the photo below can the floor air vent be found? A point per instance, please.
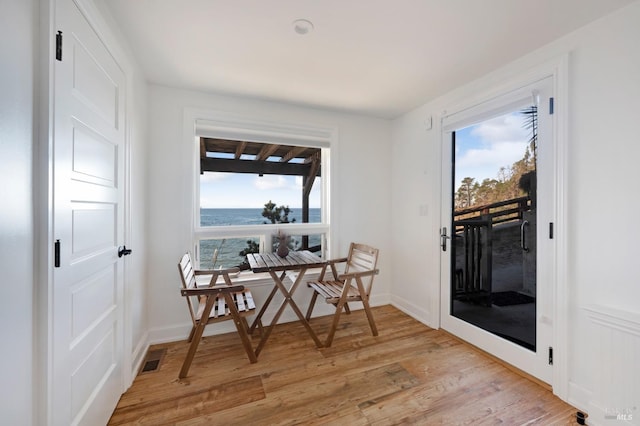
(152, 360)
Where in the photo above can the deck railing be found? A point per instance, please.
(500, 212)
(474, 227)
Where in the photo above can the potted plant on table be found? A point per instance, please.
(283, 244)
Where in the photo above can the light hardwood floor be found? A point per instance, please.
(409, 374)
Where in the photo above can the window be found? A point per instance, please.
(253, 179)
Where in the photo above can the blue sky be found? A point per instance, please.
(240, 190)
(483, 148)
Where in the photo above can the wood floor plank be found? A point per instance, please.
(409, 374)
(198, 402)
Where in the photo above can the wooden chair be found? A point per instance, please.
(353, 285)
(213, 304)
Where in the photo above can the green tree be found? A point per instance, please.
(513, 181)
(252, 247)
(465, 196)
(276, 214)
(486, 191)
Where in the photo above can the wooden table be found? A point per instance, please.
(274, 264)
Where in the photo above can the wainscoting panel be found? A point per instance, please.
(616, 400)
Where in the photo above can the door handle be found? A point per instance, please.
(443, 238)
(523, 241)
(123, 251)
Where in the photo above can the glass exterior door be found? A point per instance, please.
(493, 247)
(498, 259)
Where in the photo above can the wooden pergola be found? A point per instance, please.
(231, 156)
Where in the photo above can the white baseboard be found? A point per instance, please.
(416, 312)
(139, 353)
(579, 397)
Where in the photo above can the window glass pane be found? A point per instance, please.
(227, 252)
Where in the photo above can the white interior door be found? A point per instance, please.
(488, 250)
(88, 200)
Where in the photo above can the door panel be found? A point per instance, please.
(93, 157)
(496, 284)
(93, 228)
(92, 299)
(88, 202)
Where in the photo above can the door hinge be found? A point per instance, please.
(124, 251)
(551, 230)
(56, 254)
(59, 46)
(550, 355)
(551, 106)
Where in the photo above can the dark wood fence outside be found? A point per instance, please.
(475, 227)
(503, 211)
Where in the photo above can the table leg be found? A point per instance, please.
(287, 299)
(299, 313)
(265, 305)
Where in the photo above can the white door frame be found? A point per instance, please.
(558, 70)
(43, 190)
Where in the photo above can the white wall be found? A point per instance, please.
(603, 143)
(17, 136)
(360, 199)
(416, 194)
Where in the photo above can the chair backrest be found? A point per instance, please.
(188, 278)
(362, 258)
(187, 273)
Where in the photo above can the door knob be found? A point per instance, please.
(123, 251)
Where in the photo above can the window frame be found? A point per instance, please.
(216, 124)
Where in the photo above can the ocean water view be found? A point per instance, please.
(229, 248)
(222, 217)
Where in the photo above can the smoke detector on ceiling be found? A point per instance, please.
(302, 26)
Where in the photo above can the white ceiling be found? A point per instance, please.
(375, 57)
